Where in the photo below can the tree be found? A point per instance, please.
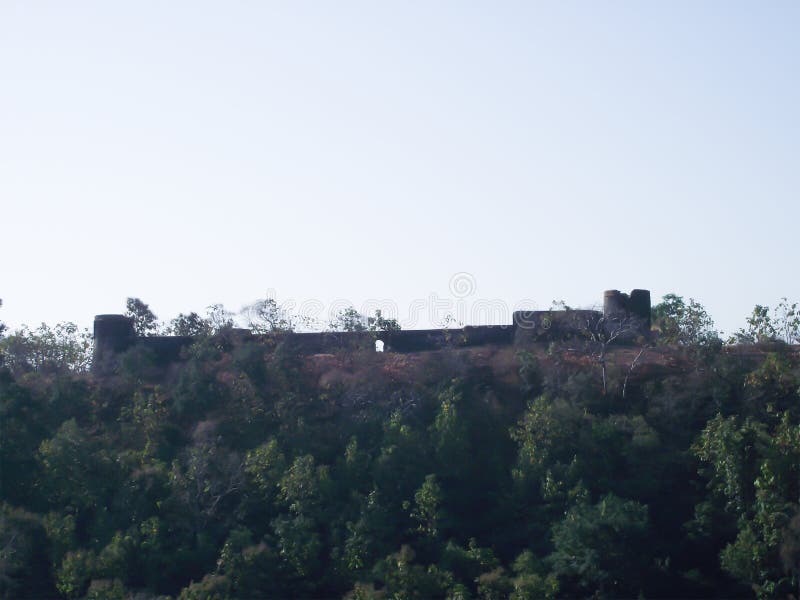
(756, 472)
(24, 564)
(601, 547)
(787, 321)
(300, 545)
(73, 475)
(244, 570)
(407, 580)
(546, 433)
(759, 327)
(267, 316)
(59, 349)
(531, 583)
(762, 326)
(144, 321)
(304, 485)
(264, 467)
(349, 319)
(603, 332)
(208, 476)
(379, 323)
(219, 318)
(427, 507)
(75, 573)
(23, 426)
(468, 563)
(495, 585)
(682, 323)
(191, 325)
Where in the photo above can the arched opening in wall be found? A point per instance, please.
(379, 345)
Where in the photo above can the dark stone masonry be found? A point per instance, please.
(624, 316)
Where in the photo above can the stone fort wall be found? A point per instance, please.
(114, 334)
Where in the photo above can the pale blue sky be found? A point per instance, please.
(199, 152)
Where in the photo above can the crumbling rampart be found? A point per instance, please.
(624, 316)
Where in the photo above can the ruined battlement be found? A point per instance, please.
(625, 316)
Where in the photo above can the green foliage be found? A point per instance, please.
(106, 589)
(759, 326)
(731, 450)
(144, 321)
(532, 581)
(299, 544)
(427, 511)
(72, 473)
(216, 321)
(682, 323)
(602, 546)
(468, 563)
(147, 416)
(534, 433)
(23, 426)
(764, 326)
(75, 573)
(531, 586)
(267, 316)
(380, 323)
(207, 477)
(304, 486)
(264, 467)
(369, 535)
(60, 529)
(211, 587)
(24, 562)
(774, 384)
(529, 372)
(59, 349)
(244, 569)
(787, 321)
(190, 324)
(495, 585)
(137, 364)
(755, 468)
(406, 580)
(243, 473)
(348, 319)
(542, 432)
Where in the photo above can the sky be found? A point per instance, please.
(424, 157)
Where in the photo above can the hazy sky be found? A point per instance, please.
(198, 152)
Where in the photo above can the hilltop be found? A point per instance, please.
(660, 465)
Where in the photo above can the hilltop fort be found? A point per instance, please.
(624, 317)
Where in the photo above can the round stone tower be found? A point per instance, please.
(632, 312)
(639, 306)
(615, 304)
(112, 334)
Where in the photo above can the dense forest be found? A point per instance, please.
(669, 468)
